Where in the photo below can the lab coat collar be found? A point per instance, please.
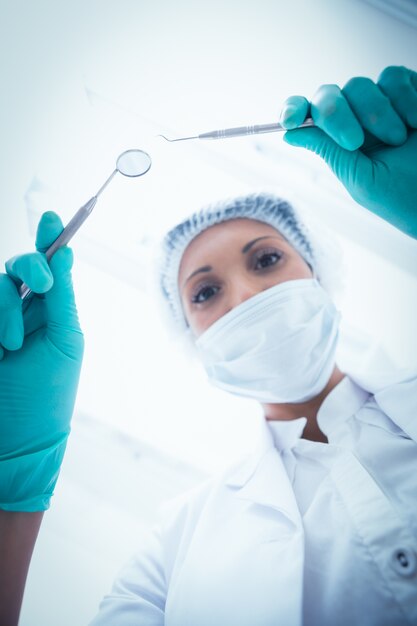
(285, 434)
(342, 402)
(240, 473)
(262, 478)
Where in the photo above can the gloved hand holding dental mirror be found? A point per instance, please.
(131, 163)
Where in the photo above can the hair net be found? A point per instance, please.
(321, 255)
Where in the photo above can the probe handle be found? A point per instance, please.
(62, 239)
(256, 129)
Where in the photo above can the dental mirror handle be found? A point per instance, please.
(62, 239)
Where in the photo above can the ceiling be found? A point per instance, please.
(403, 10)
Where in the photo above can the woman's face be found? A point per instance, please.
(230, 262)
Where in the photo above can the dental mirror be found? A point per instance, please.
(131, 163)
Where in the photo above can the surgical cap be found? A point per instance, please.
(264, 207)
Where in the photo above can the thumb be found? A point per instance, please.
(62, 324)
(59, 300)
(342, 162)
(61, 311)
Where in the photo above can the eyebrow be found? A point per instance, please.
(245, 249)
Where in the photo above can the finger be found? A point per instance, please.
(399, 84)
(342, 162)
(11, 319)
(331, 112)
(49, 228)
(374, 111)
(294, 111)
(413, 77)
(31, 268)
(61, 311)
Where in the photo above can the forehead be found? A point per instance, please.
(223, 236)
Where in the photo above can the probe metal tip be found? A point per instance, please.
(180, 139)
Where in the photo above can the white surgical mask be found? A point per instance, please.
(278, 346)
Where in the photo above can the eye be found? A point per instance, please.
(266, 258)
(203, 293)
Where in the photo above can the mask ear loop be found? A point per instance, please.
(315, 276)
(313, 270)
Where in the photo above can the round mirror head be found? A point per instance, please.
(133, 163)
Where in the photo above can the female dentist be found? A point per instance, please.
(318, 526)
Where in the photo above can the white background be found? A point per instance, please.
(81, 82)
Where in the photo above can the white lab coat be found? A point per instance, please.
(242, 550)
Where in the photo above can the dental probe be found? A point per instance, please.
(241, 131)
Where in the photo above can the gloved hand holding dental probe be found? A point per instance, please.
(366, 133)
(41, 353)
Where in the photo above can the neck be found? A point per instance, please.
(307, 409)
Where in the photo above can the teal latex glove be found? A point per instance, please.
(366, 134)
(41, 353)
